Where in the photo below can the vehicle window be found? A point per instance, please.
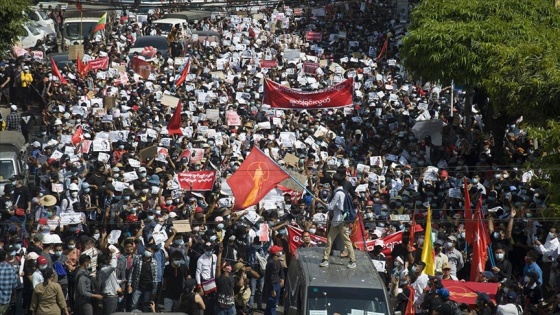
(165, 27)
(43, 15)
(72, 30)
(332, 300)
(33, 16)
(6, 170)
(32, 29)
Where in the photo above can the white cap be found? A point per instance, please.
(73, 186)
(57, 122)
(13, 107)
(32, 256)
(172, 215)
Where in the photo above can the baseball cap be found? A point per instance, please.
(41, 260)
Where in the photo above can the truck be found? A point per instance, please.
(13, 158)
(312, 290)
(75, 27)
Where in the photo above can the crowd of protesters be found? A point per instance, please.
(124, 252)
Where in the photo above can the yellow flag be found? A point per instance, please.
(428, 248)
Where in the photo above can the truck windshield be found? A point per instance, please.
(328, 301)
(72, 30)
(6, 170)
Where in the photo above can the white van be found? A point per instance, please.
(41, 18)
(167, 24)
(32, 35)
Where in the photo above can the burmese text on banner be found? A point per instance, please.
(197, 180)
(279, 96)
(254, 178)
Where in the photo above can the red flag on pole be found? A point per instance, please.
(83, 68)
(410, 309)
(78, 136)
(252, 33)
(412, 231)
(358, 235)
(184, 73)
(57, 73)
(470, 224)
(480, 241)
(383, 49)
(174, 126)
(254, 178)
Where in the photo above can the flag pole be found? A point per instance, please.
(294, 179)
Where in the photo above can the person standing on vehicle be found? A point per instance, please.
(13, 121)
(57, 17)
(337, 224)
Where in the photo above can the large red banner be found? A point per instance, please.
(465, 292)
(389, 241)
(99, 63)
(200, 180)
(279, 96)
(269, 64)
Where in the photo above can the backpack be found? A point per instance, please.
(349, 212)
(95, 285)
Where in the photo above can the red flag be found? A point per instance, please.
(252, 33)
(470, 224)
(78, 136)
(83, 68)
(254, 178)
(79, 7)
(412, 231)
(480, 241)
(57, 73)
(383, 49)
(410, 308)
(174, 126)
(465, 292)
(184, 73)
(358, 235)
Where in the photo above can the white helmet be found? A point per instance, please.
(55, 239)
(48, 239)
(57, 122)
(73, 187)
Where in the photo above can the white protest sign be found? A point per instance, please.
(70, 218)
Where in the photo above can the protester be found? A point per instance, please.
(48, 297)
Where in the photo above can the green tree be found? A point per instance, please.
(509, 49)
(12, 18)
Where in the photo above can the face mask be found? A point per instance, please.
(50, 214)
(74, 194)
(127, 198)
(449, 244)
(312, 231)
(369, 215)
(220, 226)
(420, 241)
(115, 175)
(499, 256)
(42, 267)
(475, 181)
(87, 190)
(414, 269)
(13, 253)
(462, 234)
(282, 232)
(213, 238)
(71, 246)
(58, 253)
(551, 235)
(147, 254)
(179, 242)
(150, 217)
(169, 202)
(208, 253)
(398, 173)
(18, 246)
(177, 262)
(257, 246)
(526, 279)
(496, 234)
(96, 236)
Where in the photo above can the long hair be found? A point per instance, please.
(47, 274)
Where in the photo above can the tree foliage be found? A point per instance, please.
(509, 48)
(12, 17)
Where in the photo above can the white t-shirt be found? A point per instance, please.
(509, 309)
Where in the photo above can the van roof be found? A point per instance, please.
(190, 15)
(170, 21)
(337, 274)
(10, 140)
(88, 14)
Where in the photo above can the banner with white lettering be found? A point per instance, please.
(279, 96)
(197, 181)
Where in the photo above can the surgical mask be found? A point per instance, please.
(126, 198)
(179, 242)
(462, 234)
(116, 175)
(527, 279)
(58, 253)
(150, 217)
(496, 234)
(449, 244)
(71, 246)
(475, 180)
(18, 246)
(420, 241)
(74, 194)
(158, 212)
(499, 256)
(398, 173)
(169, 202)
(13, 253)
(220, 226)
(213, 238)
(257, 246)
(312, 231)
(42, 267)
(551, 235)
(414, 268)
(369, 215)
(177, 262)
(208, 253)
(96, 236)
(147, 254)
